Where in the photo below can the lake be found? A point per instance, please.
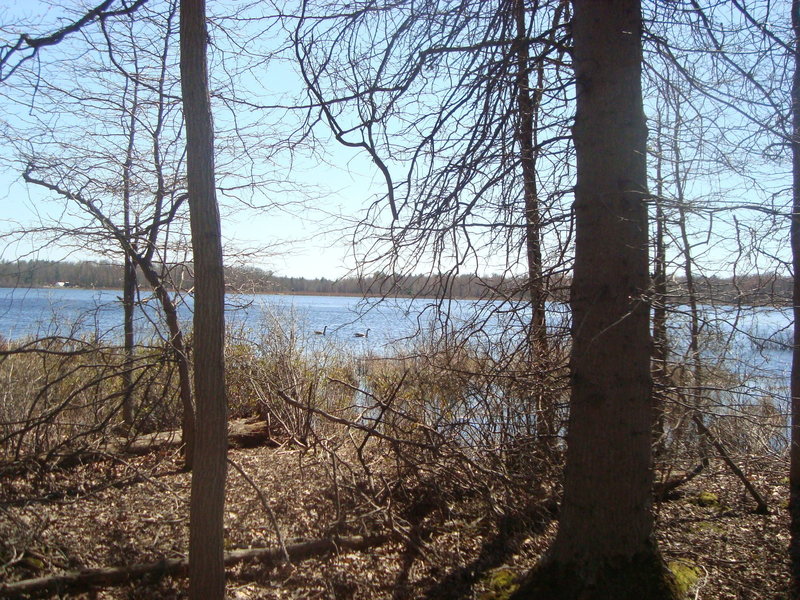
(750, 342)
(98, 313)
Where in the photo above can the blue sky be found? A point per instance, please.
(303, 232)
(314, 195)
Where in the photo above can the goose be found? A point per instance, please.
(324, 330)
(362, 335)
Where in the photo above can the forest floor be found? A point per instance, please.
(121, 512)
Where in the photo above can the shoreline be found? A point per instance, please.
(256, 292)
(779, 304)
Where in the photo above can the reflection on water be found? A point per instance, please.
(362, 324)
(98, 313)
(751, 343)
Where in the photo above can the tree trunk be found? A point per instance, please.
(528, 111)
(794, 473)
(659, 302)
(206, 566)
(176, 337)
(129, 276)
(691, 287)
(180, 355)
(128, 303)
(604, 546)
(527, 108)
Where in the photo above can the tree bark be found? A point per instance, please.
(794, 469)
(206, 566)
(659, 302)
(604, 546)
(528, 110)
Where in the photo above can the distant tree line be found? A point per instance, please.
(762, 289)
(44, 273)
(96, 274)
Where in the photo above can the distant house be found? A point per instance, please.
(62, 283)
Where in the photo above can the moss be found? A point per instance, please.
(784, 481)
(707, 526)
(706, 499)
(36, 564)
(500, 584)
(685, 574)
(643, 576)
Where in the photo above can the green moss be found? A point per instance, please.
(707, 526)
(685, 574)
(784, 481)
(706, 499)
(34, 563)
(644, 576)
(500, 584)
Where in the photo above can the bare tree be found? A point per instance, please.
(206, 566)
(719, 120)
(462, 108)
(794, 454)
(27, 47)
(528, 133)
(136, 216)
(604, 546)
(446, 111)
(659, 297)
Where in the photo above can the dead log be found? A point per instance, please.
(761, 505)
(242, 433)
(114, 576)
(248, 433)
(146, 443)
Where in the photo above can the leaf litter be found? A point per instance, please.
(122, 512)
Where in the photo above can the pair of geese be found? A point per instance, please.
(357, 334)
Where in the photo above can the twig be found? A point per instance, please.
(266, 506)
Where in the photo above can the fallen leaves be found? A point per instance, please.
(446, 553)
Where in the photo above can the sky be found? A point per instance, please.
(301, 244)
(312, 199)
(307, 235)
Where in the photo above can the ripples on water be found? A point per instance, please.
(753, 343)
(98, 313)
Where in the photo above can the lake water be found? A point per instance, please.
(98, 313)
(761, 364)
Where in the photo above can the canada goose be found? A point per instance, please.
(364, 335)
(324, 330)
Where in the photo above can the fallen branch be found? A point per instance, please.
(114, 576)
(662, 489)
(762, 508)
(267, 508)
